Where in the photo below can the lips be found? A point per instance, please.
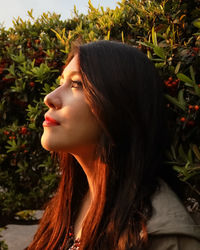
(50, 122)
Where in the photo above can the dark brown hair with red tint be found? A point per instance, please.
(125, 95)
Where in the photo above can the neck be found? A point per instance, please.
(88, 162)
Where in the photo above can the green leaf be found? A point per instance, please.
(108, 35)
(42, 72)
(182, 154)
(197, 89)
(159, 65)
(11, 69)
(190, 82)
(130, 25)
(179, 169)
(173, 151)
(59, 37)
(32, 126)
(189, 175)
(192, 74)
(122, 34)
(187, 165)
(149, 54)
(189, 156)
(185, 79)
(12, 147)
(154, 37)
(175, 102)
(20, 58)
(196, 23)
(195, 149)
(177, 67)
(30, 13)
(159, 52)
(181, 97)
(147, 44)
(168, 30)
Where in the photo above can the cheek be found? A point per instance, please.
(83, 125)
(78, 128)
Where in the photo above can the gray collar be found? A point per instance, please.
(170, 216)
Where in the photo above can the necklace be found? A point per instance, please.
(72, 244)
(76, 245)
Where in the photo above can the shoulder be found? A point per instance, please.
(173, 242)
(171, 225)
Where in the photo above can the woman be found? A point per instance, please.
(106, 123)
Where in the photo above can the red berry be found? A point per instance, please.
(29, 44)
(32, 84)
(54, 64)
(38, 61)
(196, 107)
(1, 70)
(191, 123)
(6, 132)
(169, 85)
(37, 41)
(174, 83)
(190, 107)
(195, 49)
(23, 130)
(182, 119)
(170, 78)
(166, 83)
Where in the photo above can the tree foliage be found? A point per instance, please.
(32, 54)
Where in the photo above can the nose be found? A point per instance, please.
(52, 100)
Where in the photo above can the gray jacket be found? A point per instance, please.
(171, 227)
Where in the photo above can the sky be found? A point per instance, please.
(13, 8)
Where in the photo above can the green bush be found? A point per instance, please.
(31, 57)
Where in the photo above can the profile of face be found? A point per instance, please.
(69, 124)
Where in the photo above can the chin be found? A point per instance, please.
(47, 144)
(51, 144)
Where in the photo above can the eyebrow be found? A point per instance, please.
(71, 74)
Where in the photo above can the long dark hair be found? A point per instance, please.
(125, 95)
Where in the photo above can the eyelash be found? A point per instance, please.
(79, 83)
(76, 82)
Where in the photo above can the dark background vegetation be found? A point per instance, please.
(32, 54)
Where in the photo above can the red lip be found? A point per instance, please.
(49, 122)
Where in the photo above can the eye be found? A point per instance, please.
(76, 84)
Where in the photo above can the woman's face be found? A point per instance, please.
(75, 128)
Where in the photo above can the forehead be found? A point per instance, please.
(73, 66)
